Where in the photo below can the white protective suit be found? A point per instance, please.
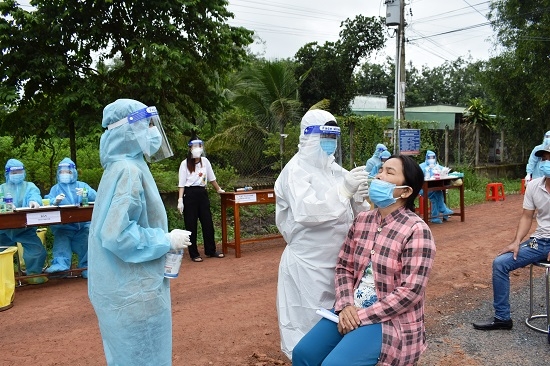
(126, 250)
(314, 218)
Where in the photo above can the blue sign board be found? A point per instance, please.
(409, 141)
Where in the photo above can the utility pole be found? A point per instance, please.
(402, 72)
(395, 16)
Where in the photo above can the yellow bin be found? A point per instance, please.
(7, 278)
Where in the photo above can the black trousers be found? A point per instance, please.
(197, 207)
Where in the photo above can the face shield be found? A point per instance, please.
(329, 140)
(546, 141)
(15, 174)
(147, 128)
(65, 172)
(197, 148)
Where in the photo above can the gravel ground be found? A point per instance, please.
(454, 341)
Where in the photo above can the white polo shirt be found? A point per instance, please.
(199, 178)
(538, 198)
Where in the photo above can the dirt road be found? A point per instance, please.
(224, 309)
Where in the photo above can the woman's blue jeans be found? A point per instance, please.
(324, 345)
(504, 264)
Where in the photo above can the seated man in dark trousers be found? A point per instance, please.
(520, 254)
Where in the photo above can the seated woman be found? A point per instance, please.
(380, 278)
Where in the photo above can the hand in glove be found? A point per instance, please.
(179, 239)
(180, 205)
(527, 178)
(363, 190)
(33, 204)
(58, 199)
(79, 191)
(221, 190)
(353, 180)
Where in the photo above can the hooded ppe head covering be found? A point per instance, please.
(141, 125)
(15, 168)
(379, 149)
(67, 168)
(430, 155)
(310, 137)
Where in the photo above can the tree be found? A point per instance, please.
(69, 58)
(268, 93)
(332, 65)
(518, 79)
(477, 116)
(374, 79)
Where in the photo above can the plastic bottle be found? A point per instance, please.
(172, 263)
(84, 197)
(437, 173)
(245, 188)
(8, 202)
(427, 174)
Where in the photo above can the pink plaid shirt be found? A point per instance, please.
(402, 251)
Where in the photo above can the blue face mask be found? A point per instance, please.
(328, 145)
(65, 178)
(381, 193)
(545, 168)
(17, 178)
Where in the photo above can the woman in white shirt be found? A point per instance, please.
(194, 173)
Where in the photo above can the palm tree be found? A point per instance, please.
(268, 92)
(477, 116)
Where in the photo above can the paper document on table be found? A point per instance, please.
(328, 315)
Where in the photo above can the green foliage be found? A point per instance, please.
(368, 131)
(332, 65)
(518, 78)
(452, 83)
(290, 146)
(175, 55)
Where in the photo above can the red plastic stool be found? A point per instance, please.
(494, 191)
(523, 186)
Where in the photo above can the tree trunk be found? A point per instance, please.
(477, 146)
(72, 141)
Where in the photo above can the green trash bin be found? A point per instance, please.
(7, 277)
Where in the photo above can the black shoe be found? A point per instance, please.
(494, 324)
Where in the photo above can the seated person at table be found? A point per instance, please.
(25, 194)
(69, 238)
(436, 198)
(377, 168)
(381, 276)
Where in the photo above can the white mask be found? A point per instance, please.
(196, 152)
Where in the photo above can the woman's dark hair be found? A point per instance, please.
(414, 177)
(190, 158)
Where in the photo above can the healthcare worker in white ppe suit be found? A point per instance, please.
(315, 203)
(129, 239)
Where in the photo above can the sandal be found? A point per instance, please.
(197, 259)
(216, 255)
